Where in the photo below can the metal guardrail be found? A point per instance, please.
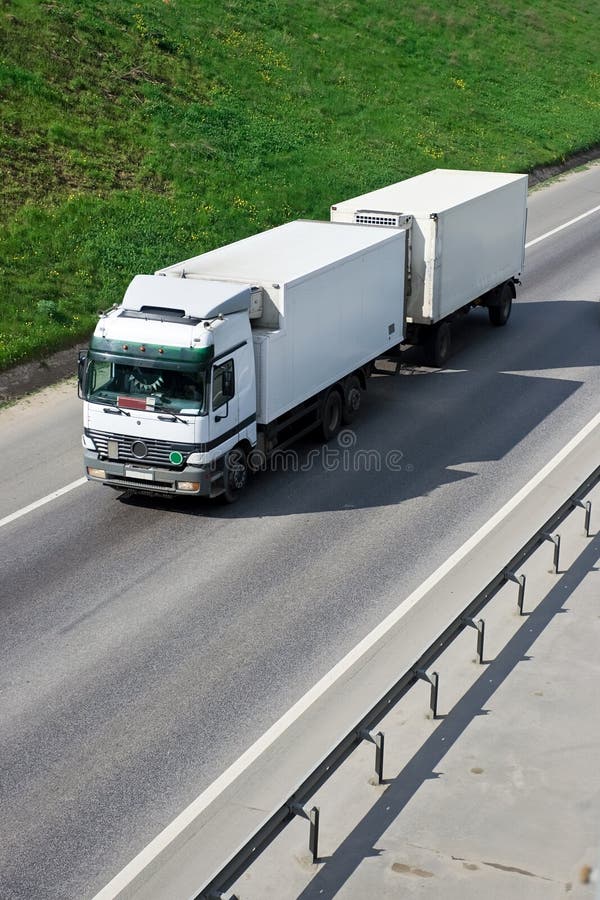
(296, 803)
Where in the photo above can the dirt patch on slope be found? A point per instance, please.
(31, 376)
(543, 173)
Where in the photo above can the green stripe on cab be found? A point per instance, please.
(200, 356)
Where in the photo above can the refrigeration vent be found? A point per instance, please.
(373, 217)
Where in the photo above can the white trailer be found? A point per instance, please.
(467, 244)
(239, 350)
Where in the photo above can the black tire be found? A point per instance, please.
(352, 400)
(235, 474)
(500, 314)
(438, 345)
(331, 416)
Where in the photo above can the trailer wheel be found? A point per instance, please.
(352, 400)
(331, 417)
(235, 474)
(438, 345)
(499, 313)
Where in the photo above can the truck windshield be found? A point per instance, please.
(112, 383)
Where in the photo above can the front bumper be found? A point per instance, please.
(153, 479)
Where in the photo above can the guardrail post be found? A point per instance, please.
(480, 628)
(313, 838)
(520, 580)
(480, 639)
(555, 539)
(379, 748)
(433, 696)
(313, 834)
(588, 513)
(588, 516)
(377, 739)
(433, 680)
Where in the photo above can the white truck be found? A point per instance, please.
(221, 358)
(209, 366)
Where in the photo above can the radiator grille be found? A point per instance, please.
(149, 486)
(157, 452)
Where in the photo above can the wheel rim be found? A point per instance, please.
(239, 478)
(354, 399)
(236, 470)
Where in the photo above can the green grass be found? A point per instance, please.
(133, 135)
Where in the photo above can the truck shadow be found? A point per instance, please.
(420, 429)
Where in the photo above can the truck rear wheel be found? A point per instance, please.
(331, 417)
(235, 474)
(499, 313)
(438, 344)
(352, 400)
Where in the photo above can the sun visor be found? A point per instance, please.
(194, 297)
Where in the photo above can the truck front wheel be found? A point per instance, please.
(235, 474)
(500, 312)
(331, 417)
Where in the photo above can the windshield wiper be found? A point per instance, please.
(172, 418)
(115, 411)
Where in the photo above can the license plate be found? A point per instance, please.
(144, 474)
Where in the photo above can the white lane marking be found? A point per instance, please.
(576, 374)
(548, 234)
(27, 509)
(185, 818)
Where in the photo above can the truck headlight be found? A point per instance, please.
(188, 485)
(194, 459)
(87, 442)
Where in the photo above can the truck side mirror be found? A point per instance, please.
(82, 356)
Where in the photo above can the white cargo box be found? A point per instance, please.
(468, 234)
(333, 299)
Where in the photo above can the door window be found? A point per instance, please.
(223, 384)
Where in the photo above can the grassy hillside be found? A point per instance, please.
(136, 134)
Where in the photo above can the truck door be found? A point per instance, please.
(224, 412)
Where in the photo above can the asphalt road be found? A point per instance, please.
(146, 643)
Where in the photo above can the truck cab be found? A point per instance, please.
(169, 387)
(258, 342)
